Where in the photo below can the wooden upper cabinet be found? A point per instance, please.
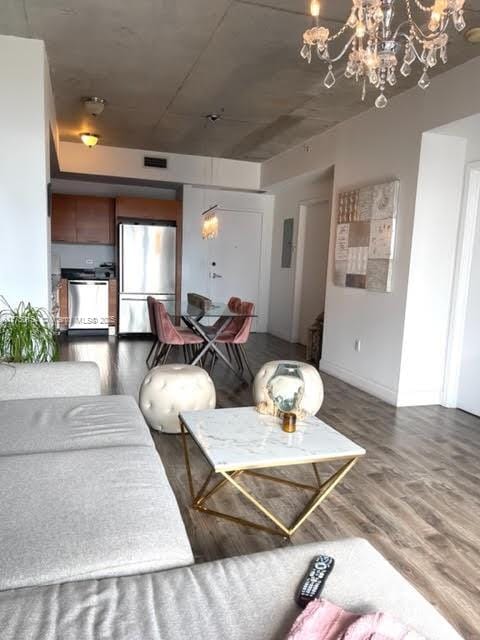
(83, 219)
(95, 220)
(64, 212)
(148, 209)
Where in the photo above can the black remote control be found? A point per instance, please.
(312, 585)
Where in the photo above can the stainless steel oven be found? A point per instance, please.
(88, 304)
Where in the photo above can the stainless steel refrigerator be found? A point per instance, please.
(146, 268)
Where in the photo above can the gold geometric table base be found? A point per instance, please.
(321, 491)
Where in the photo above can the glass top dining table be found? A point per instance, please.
(192, 316)
(213, 310)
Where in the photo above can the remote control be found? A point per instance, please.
(312, 585)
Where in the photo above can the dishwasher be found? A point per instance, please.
(88, 304)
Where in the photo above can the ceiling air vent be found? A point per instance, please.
(159, 163)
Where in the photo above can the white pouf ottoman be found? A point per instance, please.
(312, 398)
(170, 389)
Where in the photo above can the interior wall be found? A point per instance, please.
(432, 267)
(195, 267)
(370, 148)
(105, 189)
(289, 196)
(24, 173)
(128, 163)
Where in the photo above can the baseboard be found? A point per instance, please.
(377, 390)
(278, 334)
(419, 398)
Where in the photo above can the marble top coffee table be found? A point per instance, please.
(240, 441)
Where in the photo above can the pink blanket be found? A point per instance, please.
(323, 620)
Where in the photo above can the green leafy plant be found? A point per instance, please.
(27, 334)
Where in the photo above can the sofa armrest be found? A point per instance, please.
(49, 380)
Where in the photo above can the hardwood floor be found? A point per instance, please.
(415, 496)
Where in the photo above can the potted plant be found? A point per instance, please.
(27, 334)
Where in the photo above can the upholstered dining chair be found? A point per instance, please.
(234, 324)
(197, 300)
(236, 337)
(153, 328)
(169, 335)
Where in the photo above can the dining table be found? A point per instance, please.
(208, 322)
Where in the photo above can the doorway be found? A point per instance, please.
(469, 380)
(311, 267)
(463, 352)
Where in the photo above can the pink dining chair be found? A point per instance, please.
(237, 338)
(234, 325)
(169, 335)
(152, 354)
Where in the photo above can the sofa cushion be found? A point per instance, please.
(60, 424)
(249, 597)
(93, 513)
(48, 380)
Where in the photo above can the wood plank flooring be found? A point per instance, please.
(415, 496)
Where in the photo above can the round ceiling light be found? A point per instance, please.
(473, 35)
(94, 105)
(89, 139)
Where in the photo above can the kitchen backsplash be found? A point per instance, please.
(82, 256)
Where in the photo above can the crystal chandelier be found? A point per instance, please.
(376, 47)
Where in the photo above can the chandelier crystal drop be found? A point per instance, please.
(376, 48)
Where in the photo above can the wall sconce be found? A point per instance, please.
(210, 223)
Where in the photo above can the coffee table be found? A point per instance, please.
(241, 441)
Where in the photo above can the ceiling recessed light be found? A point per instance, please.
(89, 139)
(473, 35)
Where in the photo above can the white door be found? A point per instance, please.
(234, 257)
(469, 384)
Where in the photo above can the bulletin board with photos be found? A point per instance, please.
(365, 237)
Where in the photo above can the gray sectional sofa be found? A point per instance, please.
(93, 546)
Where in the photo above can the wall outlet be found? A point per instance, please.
(357, 345)
(89, 262)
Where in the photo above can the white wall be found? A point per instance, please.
(432, 266)
(24, 172)
(289, 196)
(108, 190)
(195, 267)
(370, 148)
(128, 163)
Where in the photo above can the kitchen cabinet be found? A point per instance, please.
(112, 302)
(64, 212)
(95, 220)
(83, 219)
(62, 299)
(148, 209)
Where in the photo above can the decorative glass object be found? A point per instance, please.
(375, 47)
(285, 390)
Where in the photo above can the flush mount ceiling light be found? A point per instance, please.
(473, 35)
(94, 105)
(89, 139)
(376, 46)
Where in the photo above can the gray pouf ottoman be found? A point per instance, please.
(170, 389)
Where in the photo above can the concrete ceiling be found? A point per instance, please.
(163, 65)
